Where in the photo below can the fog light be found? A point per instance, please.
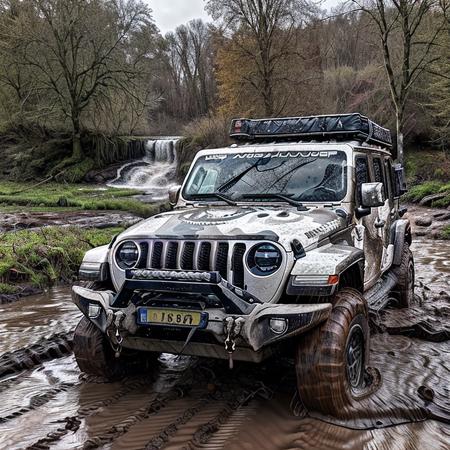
(94, 310)
(278, 325)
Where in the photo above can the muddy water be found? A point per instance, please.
(36, 317)
(190, 403)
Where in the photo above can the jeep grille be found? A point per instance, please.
(224, 257)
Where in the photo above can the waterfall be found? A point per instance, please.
(154, 173)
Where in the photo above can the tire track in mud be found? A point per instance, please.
(37, 401)
(233, 401)
(46, 349)
(155, 406)
(72, 423)
(221, 427)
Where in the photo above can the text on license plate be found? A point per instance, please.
(170, 317)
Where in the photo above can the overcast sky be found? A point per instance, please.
(168, 14)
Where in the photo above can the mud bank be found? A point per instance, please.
(83, 219)
(187, 403)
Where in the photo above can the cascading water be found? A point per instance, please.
(155, 173)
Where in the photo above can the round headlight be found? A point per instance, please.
(264, 259)
(127, 255)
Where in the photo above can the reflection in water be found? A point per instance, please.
(190, 403)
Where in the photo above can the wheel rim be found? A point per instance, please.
(354, 354)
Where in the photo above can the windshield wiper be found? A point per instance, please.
(277, 196)
(217, 195)
(233, 180)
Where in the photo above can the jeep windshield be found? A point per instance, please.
(290, 176)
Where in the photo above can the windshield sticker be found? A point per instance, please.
(271, 155)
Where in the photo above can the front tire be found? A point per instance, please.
(406, 278)
(95, 356)
(331, 359)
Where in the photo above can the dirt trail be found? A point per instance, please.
(197, 404)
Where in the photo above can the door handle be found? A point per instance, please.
(379, 223)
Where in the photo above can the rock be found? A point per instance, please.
(420, 232)
(442, 216)
(429, 199)
(423, 221)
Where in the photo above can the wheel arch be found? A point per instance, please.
(353, 277)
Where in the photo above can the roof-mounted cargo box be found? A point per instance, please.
(337, 126)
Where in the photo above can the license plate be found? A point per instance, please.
(176, 317)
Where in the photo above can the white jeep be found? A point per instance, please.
(280, 243)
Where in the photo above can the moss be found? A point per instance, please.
(442, 202)
(76, 172)
(419, 191)
(42, 258)
(8, 289)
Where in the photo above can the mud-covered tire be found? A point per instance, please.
(95, 356)
(325, 380)
(406, 277)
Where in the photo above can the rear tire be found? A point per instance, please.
(406, 277)
(331, 359)
(95, 356)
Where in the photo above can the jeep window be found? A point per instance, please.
(362, 175)
(379, 174)
(388, 173)
(299, 175)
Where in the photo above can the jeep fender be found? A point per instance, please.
(400, 233)
(320, 263)
(94, 266)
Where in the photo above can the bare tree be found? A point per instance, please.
(265, 33)
(191, 59)
(81, 50)
(401, 25)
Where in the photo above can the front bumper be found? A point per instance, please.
(254, 341)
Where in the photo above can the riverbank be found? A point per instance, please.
(30, 198)
(31, 261)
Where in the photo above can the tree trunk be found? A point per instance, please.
(399, 138)
(77, 151)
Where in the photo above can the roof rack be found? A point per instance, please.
(335, 126)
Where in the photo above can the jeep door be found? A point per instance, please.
(371, 224)
(385, 212)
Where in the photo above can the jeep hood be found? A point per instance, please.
(281, 225)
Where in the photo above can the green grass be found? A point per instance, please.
(13, 196)
(45, 257)
(418, 192)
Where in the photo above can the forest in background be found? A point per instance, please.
(78, 77)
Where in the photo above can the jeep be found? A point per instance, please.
(282, 242)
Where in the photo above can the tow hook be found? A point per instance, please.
(232, 328)
(113, 331)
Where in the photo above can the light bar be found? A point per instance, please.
(173, 275)
(338, 126)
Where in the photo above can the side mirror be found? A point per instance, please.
(372, 195)
(174, 194)
(400, 181)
